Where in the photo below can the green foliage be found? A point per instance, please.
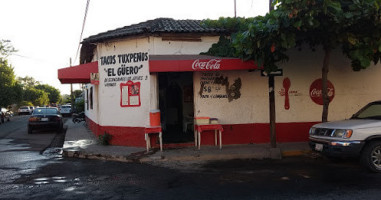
(232, 26)
(80, 106)
(65, 99)
(27, 82)
(39, 94)
(36, 96)
(9, 88)
(105, 139)
(351, 25)
(54, 94)
(21, 90)
(26, 103)
(223, 48)
(77, 93)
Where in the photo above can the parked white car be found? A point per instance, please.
(65, 110)
(359, 136)
(24, 110)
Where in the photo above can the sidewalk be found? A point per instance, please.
(80, 142)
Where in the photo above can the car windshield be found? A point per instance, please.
(370, 111)
(45, 111)
(66, 106)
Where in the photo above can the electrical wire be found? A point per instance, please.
(83, 27)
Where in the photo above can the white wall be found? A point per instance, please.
(352, 91)
(160, 47)
(111, 113)
(251, 106)
(107, 110)
(92, 113)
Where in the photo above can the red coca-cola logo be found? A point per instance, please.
(206, 65)
(316, 93)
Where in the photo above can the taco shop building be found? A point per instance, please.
(156, 65)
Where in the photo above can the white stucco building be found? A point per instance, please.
(157, 65)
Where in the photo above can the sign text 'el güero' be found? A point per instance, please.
(123, 67)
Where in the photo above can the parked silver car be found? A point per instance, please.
(359, 136)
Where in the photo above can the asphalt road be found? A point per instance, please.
(31, 167)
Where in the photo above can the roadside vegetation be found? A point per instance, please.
(22, 91)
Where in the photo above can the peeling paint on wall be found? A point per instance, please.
(212, 84)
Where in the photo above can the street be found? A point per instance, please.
(32, 167)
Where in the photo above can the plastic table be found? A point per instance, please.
(207, 127)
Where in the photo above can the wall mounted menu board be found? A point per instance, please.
(130, 94)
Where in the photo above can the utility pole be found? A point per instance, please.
(272, 111)
(272, 101)
(71, 93)
(235, 8)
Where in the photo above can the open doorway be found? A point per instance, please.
(176, 106)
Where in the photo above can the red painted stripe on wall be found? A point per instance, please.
(122, 136)
(233, 134)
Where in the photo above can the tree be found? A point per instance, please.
(54, 94)
(350, 25)
(27, 82)
(23, 90)
(65, 99)
(36, 96)
(6, 49)
(9, 88)
(79, 106)
(77, 93)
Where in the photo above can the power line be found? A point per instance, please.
(83, 27)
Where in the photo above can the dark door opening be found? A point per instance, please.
(176, 106)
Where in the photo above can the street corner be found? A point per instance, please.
(275, 153)
(71, 153)
(79, 144)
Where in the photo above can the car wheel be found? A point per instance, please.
(371, 156)
(29, 130)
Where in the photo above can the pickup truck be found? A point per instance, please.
(359, 136)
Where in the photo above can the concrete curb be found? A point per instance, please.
(158, 156)
(81, 143)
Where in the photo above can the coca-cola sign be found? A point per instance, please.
(213, 64)
(316, 93)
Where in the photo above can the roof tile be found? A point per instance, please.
(159, 25)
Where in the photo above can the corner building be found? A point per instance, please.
(156, 65)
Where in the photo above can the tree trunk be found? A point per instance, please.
(271, 7)
(325, 70)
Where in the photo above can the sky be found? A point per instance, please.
(46, 33)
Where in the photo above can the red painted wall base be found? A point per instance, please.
(232, 134)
